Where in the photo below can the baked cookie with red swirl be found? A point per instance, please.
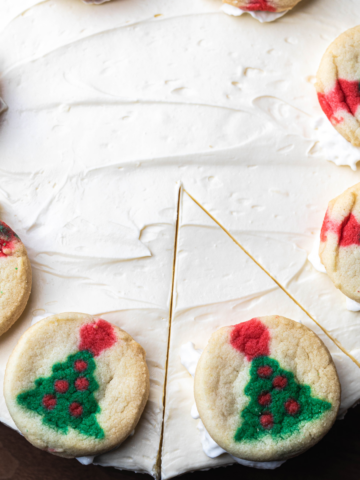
(338, 85)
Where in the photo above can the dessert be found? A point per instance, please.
(75, 385)
(236, 290)
(15, 277)
(144, 95)
(266, 389)
(337, 84)
(340, 241)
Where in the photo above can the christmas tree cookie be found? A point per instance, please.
(340, 242)
(266, 389)
(76, 385)
(338, 84)
(263, 5)
(15, 277)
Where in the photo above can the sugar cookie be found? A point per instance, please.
(337, 85)
(15, 277)
(340, 242)
(76, 385)
(266, 389)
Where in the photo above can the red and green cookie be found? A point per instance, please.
(338, 84)
(76, 385)
(263, 5)
(15, 277)
(340, 242)
(266, 389)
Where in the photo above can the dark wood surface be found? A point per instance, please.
(336, 457)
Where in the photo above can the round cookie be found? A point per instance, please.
(266, 389)
(340, 242)
(15, 277)
(76, 385)
(263, 5)
(337, 84)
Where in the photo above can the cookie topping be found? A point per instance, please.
(258, 5)
(250, 338)
(280, 382)
(344, 97)
(292, 407)
(348, 231)
(265, 371)
(66, 398)
(76, 409)
(8, 238)
(278, 403)
(49, 402)
(61, 386)
(81, 383)
(97, 337)
(80, 365)
(267, 421)
(264, 399)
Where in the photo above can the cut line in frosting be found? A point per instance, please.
(328, 334)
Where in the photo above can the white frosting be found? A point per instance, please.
(333, 146)
(90, 169)
(85, 460)
(263, 17)
(314, 259)
(189, 358)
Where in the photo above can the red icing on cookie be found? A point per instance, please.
(265, 371)
(348, 231)
(76, 409)
(97, 337)
(280, 382)
(259, 5)
(251, 338)
(345, 96)
(267, 420)
(61, 386)
(8, 239)
(49, 402)
(292, 407)
(81, 383)
(80, 365)
(264, 399)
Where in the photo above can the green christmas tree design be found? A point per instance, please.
(66, 398)
(278, 404)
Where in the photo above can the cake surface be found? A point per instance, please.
(109, 108)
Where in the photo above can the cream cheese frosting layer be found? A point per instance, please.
(109, 107)
(233, 289)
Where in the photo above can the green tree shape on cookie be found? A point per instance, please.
(66, 398)
(279, 406)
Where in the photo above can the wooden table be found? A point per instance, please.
(337, 456)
